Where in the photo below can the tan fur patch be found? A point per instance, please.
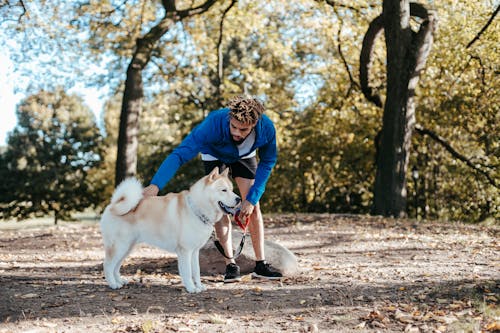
(110, 251)
(181, 201)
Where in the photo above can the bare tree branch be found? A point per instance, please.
(436, 137)
(335, 4)
(196, 10)
(366, 57)
(353, 82)
(19, 4)
(220, 58)
(25, 11)
(484, 28)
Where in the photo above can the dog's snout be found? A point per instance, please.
(238, 200)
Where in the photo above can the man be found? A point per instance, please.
(230, 137)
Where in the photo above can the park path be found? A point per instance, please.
(357, 273)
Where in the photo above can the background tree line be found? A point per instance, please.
(300, 57)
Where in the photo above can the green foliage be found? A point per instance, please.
(47, 165)
(301, 57)
(459, 100)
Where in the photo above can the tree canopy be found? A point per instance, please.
(50, 156)
(302, 58)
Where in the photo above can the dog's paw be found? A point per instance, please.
(123, 282)
(114, 285)
(200, 288)
(191, 289)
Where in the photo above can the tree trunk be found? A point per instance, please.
(399, 117)
(126, 157)
(407, 52)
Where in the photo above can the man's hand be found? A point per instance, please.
(150, 191)
(246, 209)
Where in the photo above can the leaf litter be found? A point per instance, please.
(360, 273)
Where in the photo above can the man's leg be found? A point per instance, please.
(223, 233)
(256, 223)
(256, 228)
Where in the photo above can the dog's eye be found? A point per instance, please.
(224, 190)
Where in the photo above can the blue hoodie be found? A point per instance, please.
(212, 136)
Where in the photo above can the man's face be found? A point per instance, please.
(239, 131)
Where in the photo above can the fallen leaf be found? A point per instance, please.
(411, 329)
(155, 308)
(441, 328)
(361, 325)
(217, 319)
(390, 308)
(446, 319)
(403, 317)
(49, 325)
(147, 326)
(313, 328)
(493, 327)
(246, 278)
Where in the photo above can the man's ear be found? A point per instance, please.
(225, 173)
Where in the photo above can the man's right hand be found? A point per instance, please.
(150, 191)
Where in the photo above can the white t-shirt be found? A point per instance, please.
(243, 148)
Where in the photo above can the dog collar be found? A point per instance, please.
(205, 219)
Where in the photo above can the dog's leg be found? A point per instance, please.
(108, 265)
(113, 263)
(195, 271)
(127, 250)
(184, 258)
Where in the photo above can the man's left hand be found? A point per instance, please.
(246, 209)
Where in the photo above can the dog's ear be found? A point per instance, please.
(225, 173)
(212, 175)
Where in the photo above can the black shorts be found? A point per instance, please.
(244, 168)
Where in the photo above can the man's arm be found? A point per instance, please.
(186, 151)
(267, 159)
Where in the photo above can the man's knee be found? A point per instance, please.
(223, 222)
(222, 227)
(256, 214)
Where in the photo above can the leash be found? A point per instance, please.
(243, 226)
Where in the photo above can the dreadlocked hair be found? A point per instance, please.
(246, 110)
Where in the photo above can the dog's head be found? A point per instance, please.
(219, 190)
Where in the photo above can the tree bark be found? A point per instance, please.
(407, 53)
(126, 158)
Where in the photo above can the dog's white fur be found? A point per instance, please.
(178, 222)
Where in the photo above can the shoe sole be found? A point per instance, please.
(255, 275)
(232, 280)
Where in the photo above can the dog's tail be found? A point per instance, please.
(126, 196)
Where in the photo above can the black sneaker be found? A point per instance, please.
(266, 271)
(232, 273)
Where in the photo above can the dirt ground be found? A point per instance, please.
(357, 273)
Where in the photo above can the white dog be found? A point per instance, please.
(178, 222)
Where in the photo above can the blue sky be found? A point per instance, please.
(9, 81)
(8, 98)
